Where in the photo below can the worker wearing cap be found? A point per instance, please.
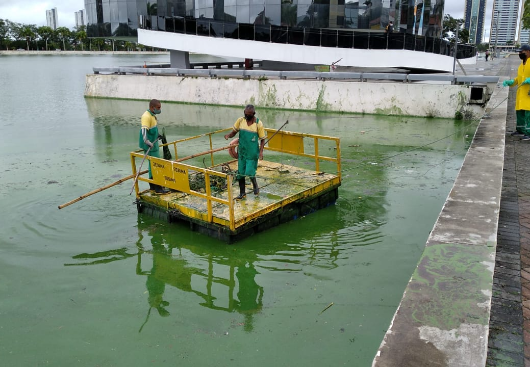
(522, 99)
(251, 144)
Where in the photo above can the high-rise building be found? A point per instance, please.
(504, 22)
(474, 20)
(52, 20)
(80, 18)
(524, 36)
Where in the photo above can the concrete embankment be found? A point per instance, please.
(387, 98)
(444, 316)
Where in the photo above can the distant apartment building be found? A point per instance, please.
(80, 18)
(524, 36)
(52, 19)
(474, 20)
(504, 22)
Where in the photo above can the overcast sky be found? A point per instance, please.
(34, 11)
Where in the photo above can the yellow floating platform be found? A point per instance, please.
(286, 192)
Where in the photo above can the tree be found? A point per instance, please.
(4, 32)
(526, 15)
(483, 47)
(449, 29)
(29, 33)
(80, 35)
(45, 33)
(63, 33)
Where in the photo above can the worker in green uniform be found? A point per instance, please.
(251, 144)
(149, 136)
(522, 99)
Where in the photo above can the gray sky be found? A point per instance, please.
(34, 11)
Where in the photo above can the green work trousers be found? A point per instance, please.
(523, 121)
(152, 153)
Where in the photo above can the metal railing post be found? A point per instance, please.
(317, 162)
(208, 196)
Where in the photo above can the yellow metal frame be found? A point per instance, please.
(284, 142)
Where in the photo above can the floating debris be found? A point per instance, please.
(328, 306)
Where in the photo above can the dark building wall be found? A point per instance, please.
(113, 18)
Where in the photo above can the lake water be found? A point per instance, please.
(96, 284)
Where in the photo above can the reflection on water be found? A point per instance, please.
(222, 278)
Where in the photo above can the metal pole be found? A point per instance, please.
(456, 47)
(496, 33)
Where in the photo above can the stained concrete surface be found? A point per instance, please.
(456, 311)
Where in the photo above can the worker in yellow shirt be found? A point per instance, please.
(149, 136)
(251, 144)
(522, 99)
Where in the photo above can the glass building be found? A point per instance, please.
(121, 19)
(474, 20)
(504, 22)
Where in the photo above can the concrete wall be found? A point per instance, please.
(388, 98)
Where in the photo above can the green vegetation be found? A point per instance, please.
(526, 15)
(14, 36)
(449, 31)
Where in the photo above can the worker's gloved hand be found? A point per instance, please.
(526, 81)
(508, 83)
(160, 137)
(149, 144)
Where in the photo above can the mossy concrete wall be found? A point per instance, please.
(388, 98)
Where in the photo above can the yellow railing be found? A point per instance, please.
(174, 174)
(292, 143)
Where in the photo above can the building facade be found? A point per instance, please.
(52, 19)
(80, 18)
(524, 36)
(504, 22)
(475, 11)
(122, 18)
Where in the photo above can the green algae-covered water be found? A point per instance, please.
(96, 284)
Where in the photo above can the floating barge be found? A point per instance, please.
(203, 195)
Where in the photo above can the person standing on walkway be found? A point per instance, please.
(149, 136)
(251, 144)
(487, 54)
(389, 28)
(522, 99)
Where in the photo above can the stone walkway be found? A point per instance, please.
(509, 336)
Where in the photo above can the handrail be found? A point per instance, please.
(208, 172)
(295, 74)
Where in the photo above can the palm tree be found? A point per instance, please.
(45, 33)
(63, 34)
(4, 31)
(27, 32)
(81, 36)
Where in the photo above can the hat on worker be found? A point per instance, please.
(525, 48)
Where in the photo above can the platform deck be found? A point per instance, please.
(281, 186)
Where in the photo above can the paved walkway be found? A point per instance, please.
(509, 333)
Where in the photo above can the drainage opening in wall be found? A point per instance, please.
(478, 95)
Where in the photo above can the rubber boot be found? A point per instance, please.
(242, 193)
(255, 185)
(161, 190)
